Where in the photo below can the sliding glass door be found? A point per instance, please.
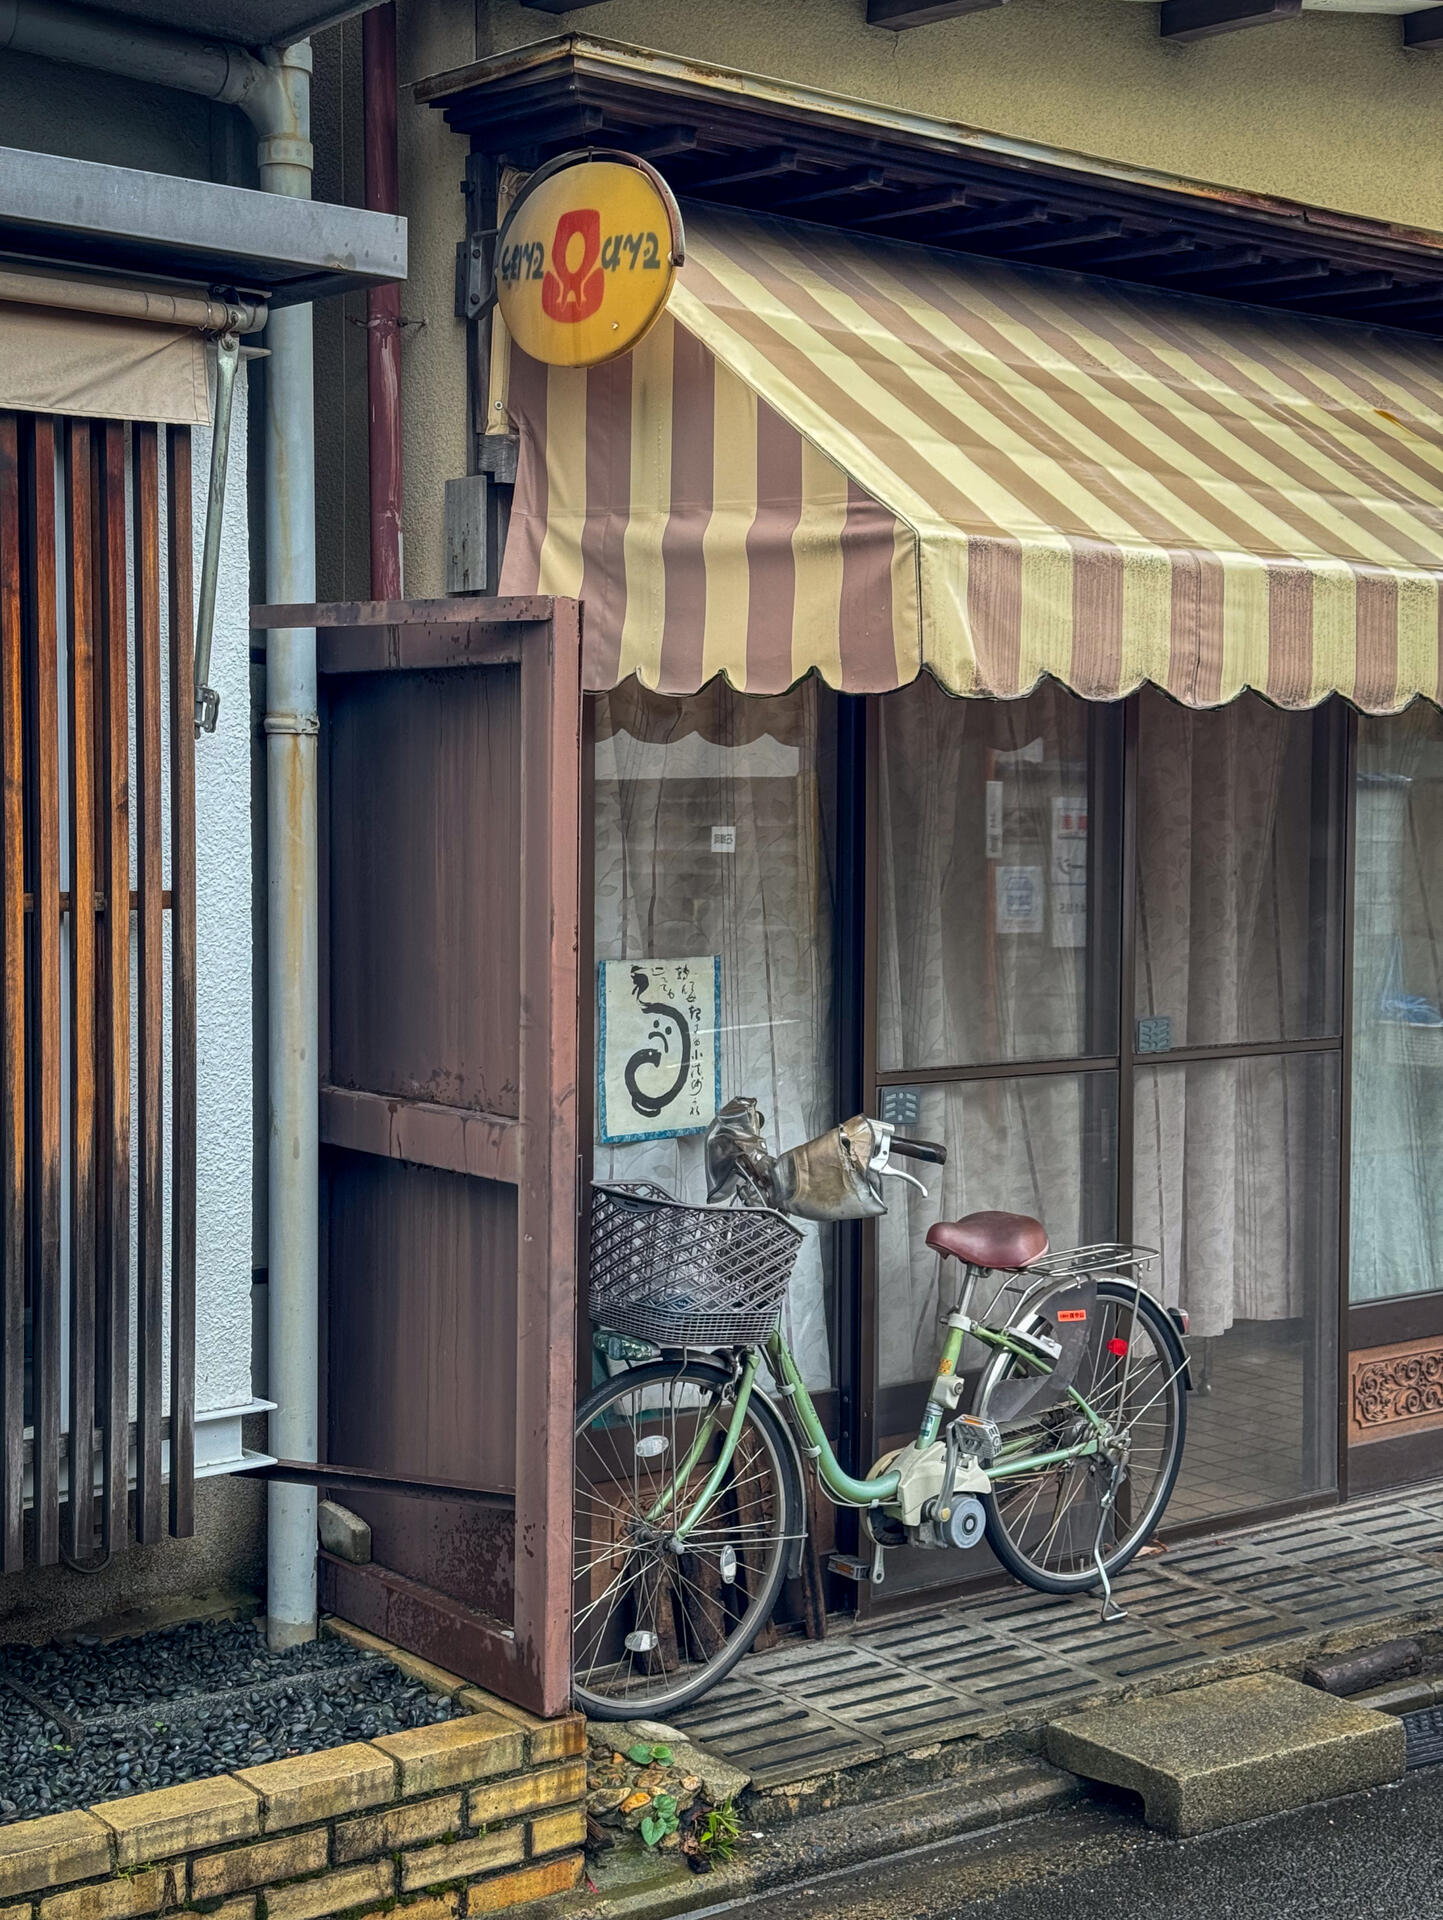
(1106, 971)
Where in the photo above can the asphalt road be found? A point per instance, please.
(1378, 1853)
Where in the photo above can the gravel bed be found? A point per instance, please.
(82, 1723)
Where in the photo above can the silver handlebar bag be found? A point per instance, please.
(830, 1178)
(737, 1161)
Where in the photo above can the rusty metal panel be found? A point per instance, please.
(422, 1317)
(12, 1043)
(423, 881)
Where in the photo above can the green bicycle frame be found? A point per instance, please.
(840, 1486)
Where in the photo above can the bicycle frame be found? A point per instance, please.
(839, 1485)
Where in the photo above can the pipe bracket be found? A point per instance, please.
(298, 723)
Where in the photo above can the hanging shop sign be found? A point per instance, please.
(586, 257)
(658, 1061)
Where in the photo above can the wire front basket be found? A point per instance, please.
(686, 1276)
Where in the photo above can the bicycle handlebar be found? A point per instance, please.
(920, 1150)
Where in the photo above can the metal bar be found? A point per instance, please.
(131, 303)
(80, 598)
(1127, 973)
(12, 1045)
(997, 1070)
(207, 700)
(150, 986)
(546, 1208)
(113, 1035)
(383, 303)
(45, 1362)
(183, 1082)
(842, 1487)
(342, 1479)
(1345, 1091)
(1240, 1050)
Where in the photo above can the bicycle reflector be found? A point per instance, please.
(1117, 1345)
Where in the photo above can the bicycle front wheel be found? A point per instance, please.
(1043, 1525)
(657, 1621)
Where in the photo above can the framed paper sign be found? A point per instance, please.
(658, 1062)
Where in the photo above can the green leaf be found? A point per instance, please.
(640, 1754)
(652, 1829)
(665, 1803)
(662, 1755)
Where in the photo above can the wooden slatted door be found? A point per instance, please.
(450, 752)
(94, 517)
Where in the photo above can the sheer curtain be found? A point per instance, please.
(1223, 1149)
(982, 958)
(1397, 1176)
(669, 772)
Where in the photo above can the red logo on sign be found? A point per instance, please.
(573, 292)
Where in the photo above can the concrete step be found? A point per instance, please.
(1215, 1755)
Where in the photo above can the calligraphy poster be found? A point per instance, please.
(658, 1061)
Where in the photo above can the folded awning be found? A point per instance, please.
(99, 366)
(865, 458)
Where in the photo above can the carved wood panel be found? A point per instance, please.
(1396, 1390)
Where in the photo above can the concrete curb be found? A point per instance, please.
(656, 1888)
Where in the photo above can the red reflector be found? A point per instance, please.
(1117, 1346)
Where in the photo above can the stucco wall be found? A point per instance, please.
(1325, 109)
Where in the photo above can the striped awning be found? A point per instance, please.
(860, 458)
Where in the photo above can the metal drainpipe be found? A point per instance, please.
(274, 93)
(383, 306)
(291, 893)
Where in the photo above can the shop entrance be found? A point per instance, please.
(1103, 951)
(1105, 966)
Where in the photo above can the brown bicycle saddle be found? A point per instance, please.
(1005, 1241)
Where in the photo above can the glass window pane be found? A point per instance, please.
(711, 841)
(1237, 902)
(1041, 1144)
(983, 943)
(1236, 1185)
(1396, 1199)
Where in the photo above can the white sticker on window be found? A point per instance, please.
(723, 839)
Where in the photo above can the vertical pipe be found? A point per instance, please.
(383, 305)
(291, 880)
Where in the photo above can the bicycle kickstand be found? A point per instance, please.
(1111, 1611)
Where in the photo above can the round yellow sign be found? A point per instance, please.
(586, 257)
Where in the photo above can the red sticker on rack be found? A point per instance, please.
(1065, 1314)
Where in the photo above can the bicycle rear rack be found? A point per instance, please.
(1104, 1256)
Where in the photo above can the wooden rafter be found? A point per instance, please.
(1423, 32)
(899, 14)
(1200, 19)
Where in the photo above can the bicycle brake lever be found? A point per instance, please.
(896, 1173)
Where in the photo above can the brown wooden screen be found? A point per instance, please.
(97, 744)
(450, 755)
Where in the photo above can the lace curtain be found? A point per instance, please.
(669, 772)
(1397, 1179)
(986, 955)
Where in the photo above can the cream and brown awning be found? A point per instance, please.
(860, 458)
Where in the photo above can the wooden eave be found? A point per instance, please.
(744, 141)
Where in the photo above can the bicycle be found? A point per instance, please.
(690, 1509)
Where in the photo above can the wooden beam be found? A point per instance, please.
(423, 1132)
(1200, 19)
(835, 186)
(899, 14)
(1423, 32)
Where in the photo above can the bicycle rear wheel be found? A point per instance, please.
(1043, 1525)
(657, 1625)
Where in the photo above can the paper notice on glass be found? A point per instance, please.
(658, 1064)
(1069, 870)
(994, 819)
(1020, 896)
